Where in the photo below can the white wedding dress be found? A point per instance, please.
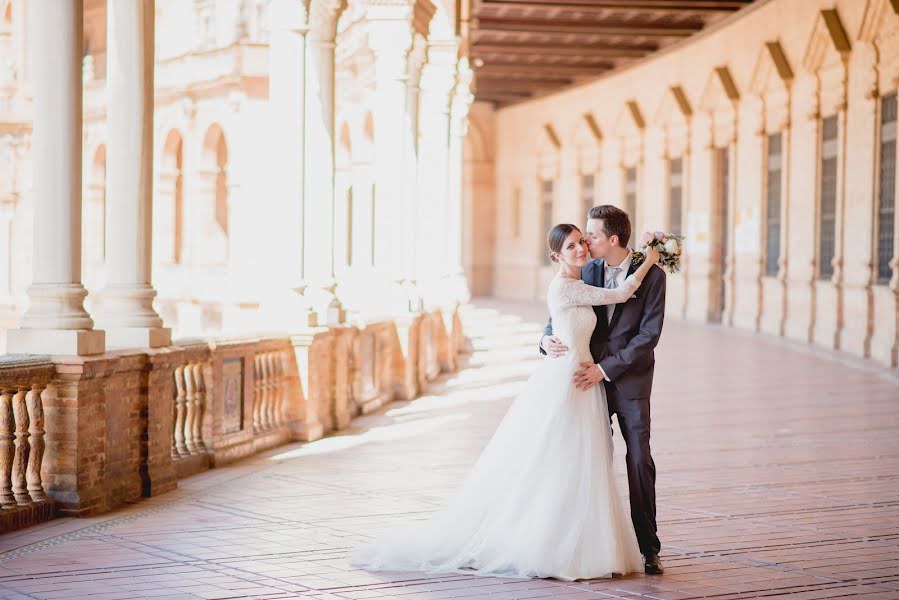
(541, 501)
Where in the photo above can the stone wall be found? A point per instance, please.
(778, 67)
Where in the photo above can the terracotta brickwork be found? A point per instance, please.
(131, 423)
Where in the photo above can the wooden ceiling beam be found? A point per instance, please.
(503, 96)
(653, 6)
(584, 50)
(582, 28)
(531, 69)
(505, 85)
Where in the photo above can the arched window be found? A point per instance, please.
(213, 212)
(170, 200)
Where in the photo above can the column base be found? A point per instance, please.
(71, 342)
(138, 337)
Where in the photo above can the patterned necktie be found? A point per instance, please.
(611, 283)
(612, 277)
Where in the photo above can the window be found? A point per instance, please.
(827, 214)
(773, 207)
(886, 203)
(588, 197)
(547, 201)
(630, 198)
(675, 195)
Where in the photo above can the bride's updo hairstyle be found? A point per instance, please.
(557, 236)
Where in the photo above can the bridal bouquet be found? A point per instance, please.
(666, 244)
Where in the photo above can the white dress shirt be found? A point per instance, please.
(610, 309)
(622, 275)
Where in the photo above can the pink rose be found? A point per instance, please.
(660, 235)
(646, 239)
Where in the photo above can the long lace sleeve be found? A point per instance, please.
(578, 293)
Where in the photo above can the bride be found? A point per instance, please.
(541, 501)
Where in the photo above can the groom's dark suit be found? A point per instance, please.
(624, 349)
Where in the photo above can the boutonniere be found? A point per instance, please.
(637, 258)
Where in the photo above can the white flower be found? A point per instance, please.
(671, 247)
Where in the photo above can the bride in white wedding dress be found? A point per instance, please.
(541, 501)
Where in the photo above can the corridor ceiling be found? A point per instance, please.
(521, 49)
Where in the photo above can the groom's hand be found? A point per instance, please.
(587, 376)
(553, 346)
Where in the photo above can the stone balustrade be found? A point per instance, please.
(131, 423)
(23, 500)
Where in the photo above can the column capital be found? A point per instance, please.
(323, 17)
(290, 15)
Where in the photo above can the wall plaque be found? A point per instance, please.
(232, 380)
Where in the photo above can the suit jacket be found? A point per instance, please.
(624, 347)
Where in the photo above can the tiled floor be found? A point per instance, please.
(778, 476)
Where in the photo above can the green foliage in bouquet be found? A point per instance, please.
(670, 247)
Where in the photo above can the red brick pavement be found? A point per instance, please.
(778, 477)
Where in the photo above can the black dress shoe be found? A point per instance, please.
(652, 565)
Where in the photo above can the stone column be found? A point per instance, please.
(56, 322)
(320, 146)
(411, 200)
(461, 103)
(128, 314)
(438, 78)
(391, 40)
(392, 27)
(287, 97)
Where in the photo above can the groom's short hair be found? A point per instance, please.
(614, 222)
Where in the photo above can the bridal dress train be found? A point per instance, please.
(541, 500)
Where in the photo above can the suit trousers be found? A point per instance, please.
(633, 419)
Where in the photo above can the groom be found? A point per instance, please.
(622, 347)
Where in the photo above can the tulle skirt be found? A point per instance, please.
(541, 500)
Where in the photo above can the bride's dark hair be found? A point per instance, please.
(557, 236)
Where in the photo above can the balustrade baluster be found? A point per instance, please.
(7, 449)
(200, 394)
(269, 390)
(190, 405)
(180, 400)
(257, 392)
(36, 416)
(21, 452)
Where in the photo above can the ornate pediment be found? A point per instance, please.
(674, 108)
(720, 91)
(587, 138)
(772, 70)
(880, 29)
(828, 43)
(630, 121)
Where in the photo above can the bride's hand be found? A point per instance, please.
(652, 256)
